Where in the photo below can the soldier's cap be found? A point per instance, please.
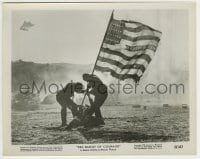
(86, 76)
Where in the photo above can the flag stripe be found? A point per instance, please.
(139, 29)
(137, 24)
(140, 61)
(117, 75)
(125, 42)
(119, 70)
(132, 25)
(141, 47)
(139, 38)
(145, 32)
(122, 66)
(125, 57)
(129, 53)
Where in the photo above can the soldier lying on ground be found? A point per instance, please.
(98, 89)
(79, 120)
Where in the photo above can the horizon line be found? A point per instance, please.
(20, 60)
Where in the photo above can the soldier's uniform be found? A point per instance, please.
(99, 90)
(64, 98)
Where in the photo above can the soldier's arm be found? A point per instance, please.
(71, 104)
(90, 99)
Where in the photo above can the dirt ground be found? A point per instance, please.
(39, 126)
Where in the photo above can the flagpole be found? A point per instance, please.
(111, 17)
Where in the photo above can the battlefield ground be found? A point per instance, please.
(123, 124)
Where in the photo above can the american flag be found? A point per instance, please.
(127, 49)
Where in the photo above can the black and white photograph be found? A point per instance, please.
(101, 76)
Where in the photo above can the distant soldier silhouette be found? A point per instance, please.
(65, 99)
(98, 89)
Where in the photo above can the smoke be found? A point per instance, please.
(106, 77)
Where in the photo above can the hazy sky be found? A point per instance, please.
(76, 36)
